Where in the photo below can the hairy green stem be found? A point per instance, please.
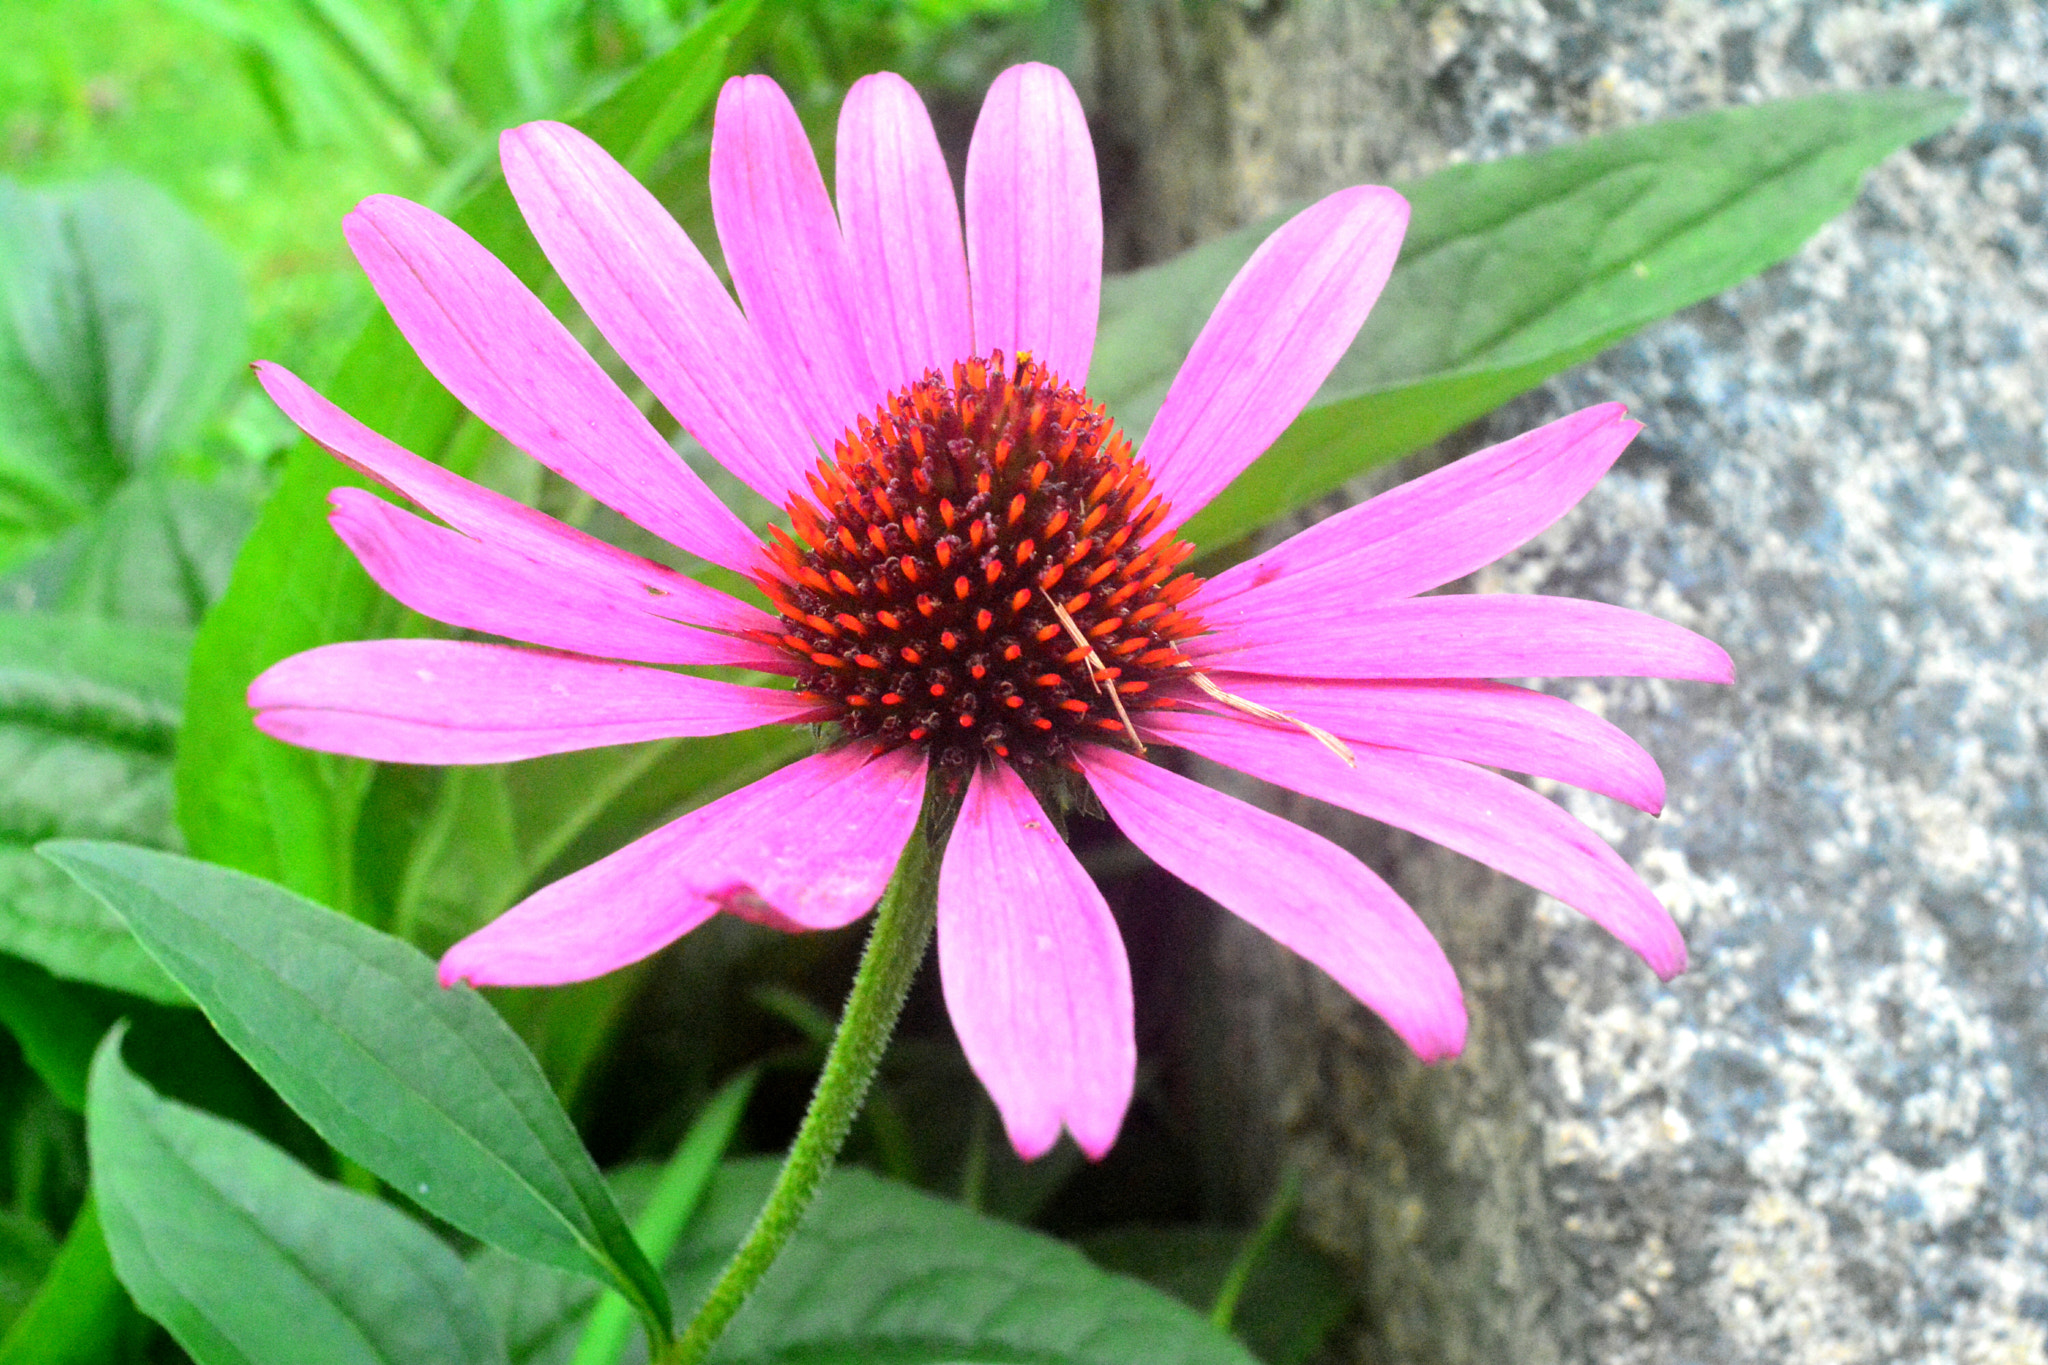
(903, 928)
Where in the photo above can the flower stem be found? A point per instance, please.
(903, 929)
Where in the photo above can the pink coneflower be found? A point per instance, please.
(982, 580)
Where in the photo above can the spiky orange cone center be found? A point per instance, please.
(972, 573)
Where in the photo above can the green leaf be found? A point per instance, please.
(1515, 270)
(880, 1272)
(88, 714)
(121, 323)
(539, 1309)
(542, 1311)
(249, 1259)
(283, 813)
(681, 1189)
(79, 1315)
(1293, 1299)
(425, 1087)
(124, 324)
(158, 552)
(94, 677)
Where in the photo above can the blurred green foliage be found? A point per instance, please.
(269, 119)
(153, 91)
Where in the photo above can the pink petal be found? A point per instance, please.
(787, 258)
(1481, 722)
(1480, 814)
(1426, 532)
(1276, 334)
(1034, 972)
(484, 515)
(811, 845)
(479, 586)
(1476, 635)
(1034, 223)
(492, 343)
(650, 291)
(902, 225)
(1307, 893)
(450, 701)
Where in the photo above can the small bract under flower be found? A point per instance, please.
(975, 573)
(980, 579)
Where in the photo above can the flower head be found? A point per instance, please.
(980, 578)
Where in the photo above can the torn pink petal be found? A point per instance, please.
(478, 586)
(497, 348)
(451, 701)
(1034, 972)
(1428, 531)
(484, 515)
(816, 842)
(651, 292)
(1480, 722)
(787, 258)
(1276, 334)
(1298, 887)
(1469, 810)
(1480, 635)
(1034, 223)
(902, 225)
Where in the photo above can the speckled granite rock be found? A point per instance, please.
(1829, 1142)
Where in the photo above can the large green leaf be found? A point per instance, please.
(1517, 269)
(121, 322)
(1292, 1300)
(157, 552)
(250, 1259)
(284, 813)
(880, 1272)
(96, 677)
(427, 1088)
(88, 714)
(540, 1310)
(122, 328)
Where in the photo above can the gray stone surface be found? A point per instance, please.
(1829, 1142)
